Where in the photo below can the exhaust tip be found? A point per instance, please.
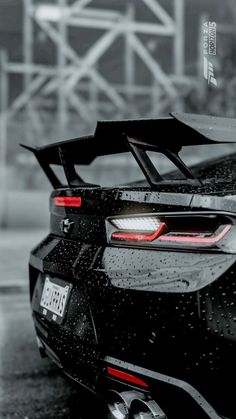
(119, 403)
(141, 409)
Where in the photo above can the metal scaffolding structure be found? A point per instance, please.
(74, 85)
(91, 78)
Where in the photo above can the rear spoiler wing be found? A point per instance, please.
(164, 135)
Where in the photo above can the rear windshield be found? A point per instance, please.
(193, 155)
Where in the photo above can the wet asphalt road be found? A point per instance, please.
(30, 387)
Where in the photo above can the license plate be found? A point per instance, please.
(54, 299)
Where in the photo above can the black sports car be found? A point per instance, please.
(133, 291)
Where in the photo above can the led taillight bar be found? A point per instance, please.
(67, 201)
(123, 235)
(126, 377)
(146, 223)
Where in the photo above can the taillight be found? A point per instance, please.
(67, 201)
(164, 230)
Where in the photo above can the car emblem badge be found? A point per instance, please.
(67, 225)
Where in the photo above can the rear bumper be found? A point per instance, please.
(169, 338)
(172, 394)
(200, 407)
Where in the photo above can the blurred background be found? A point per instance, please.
(66, 64)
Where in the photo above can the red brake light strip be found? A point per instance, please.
(126, 377)
(67, 201)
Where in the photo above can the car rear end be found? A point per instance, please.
(133, 290)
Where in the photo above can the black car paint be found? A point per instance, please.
(165, 313)
(165, 310)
